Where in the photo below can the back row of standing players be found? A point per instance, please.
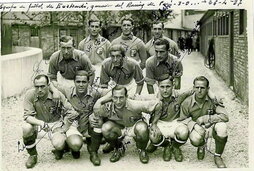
(95, 112)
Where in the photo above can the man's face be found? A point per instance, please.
(94, 28)
(41, 87)
(116, 58)
(67, 49)
(200, 89)
(165, 88)
(126, 27)
(157, 30)
(161, 52)
(81, 84)
(119, 98)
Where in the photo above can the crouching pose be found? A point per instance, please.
(41, 112)
(83, 97)
(165, 130)
(124, 118)
(205, 117)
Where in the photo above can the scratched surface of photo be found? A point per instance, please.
(124, 89)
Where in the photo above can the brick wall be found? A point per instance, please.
(222, 61)
(223, 57)
(47, 41)
(240, 61)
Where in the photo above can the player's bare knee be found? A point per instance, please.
(28, 130)
(155, 139)
(106, 127)
(182, 132)
(221, 129)
(141, 128)
(196, 139)
(75, 142)
(58, 141)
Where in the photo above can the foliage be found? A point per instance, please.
(145, 18)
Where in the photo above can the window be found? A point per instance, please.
(242, 21)
(34, 31)
(222, 25)
(215, 27)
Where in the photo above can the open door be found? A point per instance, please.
(231, 49)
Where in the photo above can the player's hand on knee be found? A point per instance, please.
(44, 126)
(56, 97)
(95, 122)
(203, 120)
(199, 129)
(154, 131)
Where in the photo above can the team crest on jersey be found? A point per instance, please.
(210, 111)
(177, 107)
(133, 52)
(99, 51)
(133, 119)
(77, 68)
(52, 109)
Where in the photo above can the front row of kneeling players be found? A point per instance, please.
(173, 119)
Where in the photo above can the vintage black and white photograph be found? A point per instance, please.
(130, 89)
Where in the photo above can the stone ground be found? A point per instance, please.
(235, 155)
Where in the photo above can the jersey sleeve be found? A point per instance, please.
(68, 111)
(142, 53)
(86, 64)
(104, 77)
(138, 75)
(29, 109)
(185, 116)
(81, 45)
(53, 69)
(150, 79)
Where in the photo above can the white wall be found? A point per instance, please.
(17, 70)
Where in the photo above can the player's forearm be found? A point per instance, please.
(156, 118)
(32, 120)
(143, 58)
(100, 102)
(157, 113)
(219, 118)
(150, 89)
(91, 81)
(67, 125)
(184, 95)
(54, 82)
(139, 88)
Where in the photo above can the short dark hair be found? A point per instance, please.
(120, 87)
(162, 41)
(93, 20)
(170, 78)
(66, 39)
(159, 22)
(82, 73)
(41, 76)
(128, 18)
(117, 47)
(201, 78)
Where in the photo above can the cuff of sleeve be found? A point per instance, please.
(52, 76)
(178, 74)
(150, 81)
(141, 81)
(73, 116)
(104, 85)
(191, 125)
(97, 130)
